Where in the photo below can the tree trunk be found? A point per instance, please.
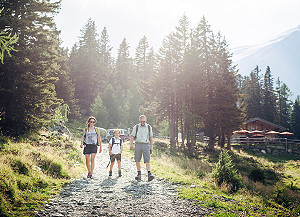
(222, 140)
(176, 132)
(228, 141)
(211, 143)
(182, 133)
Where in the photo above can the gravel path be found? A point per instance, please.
(119, 196)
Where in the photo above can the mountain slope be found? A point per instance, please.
(282, 54)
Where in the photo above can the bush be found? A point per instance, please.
(224, 173)
(257, 175)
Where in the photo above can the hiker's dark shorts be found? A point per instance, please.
(90, 148)
(142, 149)
(113, 157)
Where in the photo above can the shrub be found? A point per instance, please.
(257, 175)
(225, 173)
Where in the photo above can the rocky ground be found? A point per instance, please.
(120, 196)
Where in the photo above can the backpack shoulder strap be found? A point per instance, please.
(112, 142)
(149, 129)
(136, 130)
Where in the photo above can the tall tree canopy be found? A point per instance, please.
(252, 95)
(85, 68)
(27, 92)
(268, 97)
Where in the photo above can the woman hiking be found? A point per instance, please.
(90, 141)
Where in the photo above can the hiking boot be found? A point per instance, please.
(120, 174)
(150, 177)
(110, 173)
(89, 175)
(138, 178)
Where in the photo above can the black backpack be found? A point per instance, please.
(113, 141)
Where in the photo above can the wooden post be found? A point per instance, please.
(248, 142)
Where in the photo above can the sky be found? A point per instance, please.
(241, 22)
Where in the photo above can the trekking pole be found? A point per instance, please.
(108, 164)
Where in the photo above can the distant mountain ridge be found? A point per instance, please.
(281, 53)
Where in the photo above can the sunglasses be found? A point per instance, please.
(93, 122)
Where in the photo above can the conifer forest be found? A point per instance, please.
(188, 86)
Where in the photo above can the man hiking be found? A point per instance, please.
(143, 136)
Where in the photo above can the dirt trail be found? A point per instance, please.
(119, 196)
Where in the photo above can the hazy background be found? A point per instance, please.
(242, 22)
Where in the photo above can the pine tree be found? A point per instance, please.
(134, 101)
(85, 68)
(123, 68)
(252, 96)
(112, 105)
(100, 112)
(65, 87)
(227, 112)
(204, 41)
(268, 97)
(7, 42)
(106, 59)
(141, 58)
(295, 118)
(143, 77)
(182, 46)
(165, 86)
(284, 106)
(28, 78)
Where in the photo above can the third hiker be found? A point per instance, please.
(115, 149)
(143, 136)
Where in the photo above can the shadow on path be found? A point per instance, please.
(138, 190)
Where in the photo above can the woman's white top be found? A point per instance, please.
(91, 137)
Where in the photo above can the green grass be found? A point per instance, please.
(271, 195)
(34, 170)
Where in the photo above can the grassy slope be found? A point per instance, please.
(272, 195)
(33, 171)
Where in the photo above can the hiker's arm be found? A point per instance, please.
(121, 149)
(99, 140)
(133, 135)
(82, 139)
(151, 139)
(131, 142)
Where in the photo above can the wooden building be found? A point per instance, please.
(261, 124)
